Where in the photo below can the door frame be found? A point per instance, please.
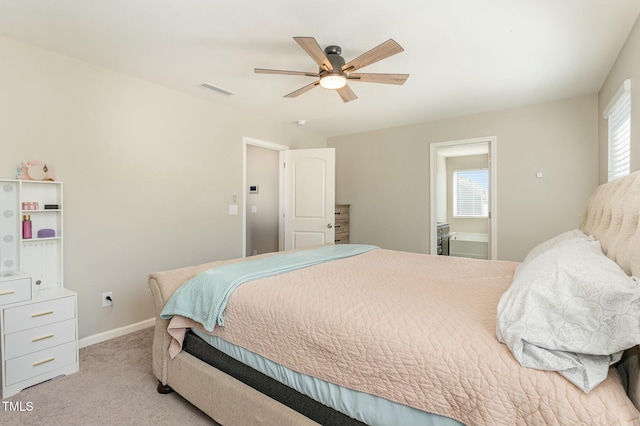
(492, 141)
(276, 147)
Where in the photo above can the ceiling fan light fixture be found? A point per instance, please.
(333, 81)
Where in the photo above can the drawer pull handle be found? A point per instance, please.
(41, 314)
(44, 361)
(37, 339)
(4, 293)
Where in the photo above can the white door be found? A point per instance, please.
(309, 197)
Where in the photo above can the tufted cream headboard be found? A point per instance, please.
(613, 218)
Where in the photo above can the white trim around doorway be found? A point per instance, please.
(493, 237)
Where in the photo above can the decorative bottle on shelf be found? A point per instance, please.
(26, 226)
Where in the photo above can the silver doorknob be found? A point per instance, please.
(329, 225)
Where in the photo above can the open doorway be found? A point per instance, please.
(305, 194)
(262, 230)
(463, 198)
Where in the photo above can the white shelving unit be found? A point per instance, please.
(38, 316)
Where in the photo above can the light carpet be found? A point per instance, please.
(115, 386)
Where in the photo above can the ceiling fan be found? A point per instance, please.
(334, 73)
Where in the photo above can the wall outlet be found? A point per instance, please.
(107, 299)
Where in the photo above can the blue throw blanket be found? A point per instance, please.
(204, 297)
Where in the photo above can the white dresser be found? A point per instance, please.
(38, 316)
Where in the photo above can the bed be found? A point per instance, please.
(388, 337)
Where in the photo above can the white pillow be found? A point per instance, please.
(570, 309)
(573, 235)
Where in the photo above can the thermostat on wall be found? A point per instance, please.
(253, 189)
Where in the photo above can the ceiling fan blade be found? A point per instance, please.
(266, 71)
(347, 94)
(302, 90)
(313, 49)
(379, 78)
(378, 53)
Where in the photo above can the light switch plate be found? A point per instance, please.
(233, 209)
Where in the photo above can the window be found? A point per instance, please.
(471, 193)
(618, 112)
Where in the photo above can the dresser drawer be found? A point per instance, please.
(341, 239)
(13, 291)
(41, 362)
(342, 212)
(39, 338)
(341, 228)
(38, 314)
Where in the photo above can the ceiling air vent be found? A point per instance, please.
(216, 89)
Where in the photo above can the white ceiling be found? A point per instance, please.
(464, 56)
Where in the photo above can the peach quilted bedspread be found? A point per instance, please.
(415, 329)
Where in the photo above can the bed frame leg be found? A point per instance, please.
(164, 389)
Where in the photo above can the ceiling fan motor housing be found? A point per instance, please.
(337, 61)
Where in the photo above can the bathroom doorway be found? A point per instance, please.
(463, 198)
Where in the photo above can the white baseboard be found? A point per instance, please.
(116, 332)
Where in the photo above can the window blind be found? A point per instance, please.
(618, 112)
(471, 193)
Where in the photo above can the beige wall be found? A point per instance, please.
(148, 173)
(384, 175)
(263, 225)
(627, 65)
